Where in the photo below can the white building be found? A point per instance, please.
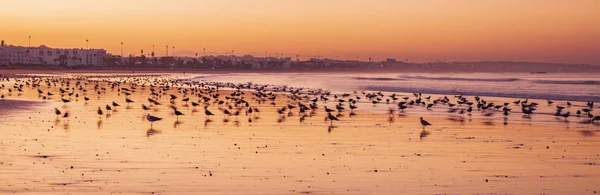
(46, 56)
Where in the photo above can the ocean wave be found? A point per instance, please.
(482, 93)
(378, 78)
(460, 78)
(567, 82)
(202, 77)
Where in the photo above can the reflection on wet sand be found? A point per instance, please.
(151, 132)
(177, 122)
(375, 152)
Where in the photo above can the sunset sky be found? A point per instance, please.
(430, 30)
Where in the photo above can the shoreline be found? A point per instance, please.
(224, 71)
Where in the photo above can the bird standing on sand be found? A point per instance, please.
(177, 113)
(66, 115)
(128, 101)
(152, 119)
(100, 111)
(108, 108)
(596, 118)
(57, 112)
(328, 110)
(332, 118)
(424, 122)
(352, 107)
(566, 115)
(207, 112)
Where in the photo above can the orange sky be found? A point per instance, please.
(528, 30)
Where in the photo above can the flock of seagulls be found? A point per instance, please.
(249, 99)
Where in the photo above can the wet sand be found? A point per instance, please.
(118, 153)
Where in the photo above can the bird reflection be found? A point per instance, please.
(423, 134)
(176, 123)
(99, 124)
(207, 121)
(352, 114)
(488, 123)
(587, 133)
(330, 128)
(151, 132)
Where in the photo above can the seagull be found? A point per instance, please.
(207, 112)
(57, 112)
(66, 115)
(352, 107)
(100, 111)
(328, 110)
(424, 122)
(177, 113)
(566, 115)
(332, 118)
(152, 119)
(596, 118)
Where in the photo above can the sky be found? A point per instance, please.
(418, 30)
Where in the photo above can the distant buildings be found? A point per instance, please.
(11, 55)
(46, 56)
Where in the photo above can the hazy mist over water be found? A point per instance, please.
(567, 86)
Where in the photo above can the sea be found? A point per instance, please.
(553, 86)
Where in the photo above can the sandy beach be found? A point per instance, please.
(368, 152)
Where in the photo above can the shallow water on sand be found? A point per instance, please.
(41, 153)
(562, 86)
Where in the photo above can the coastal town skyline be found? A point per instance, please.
(553, 31)
(34, 55)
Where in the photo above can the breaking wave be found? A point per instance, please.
(461, 78)
(378, 78)
(567, 82)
